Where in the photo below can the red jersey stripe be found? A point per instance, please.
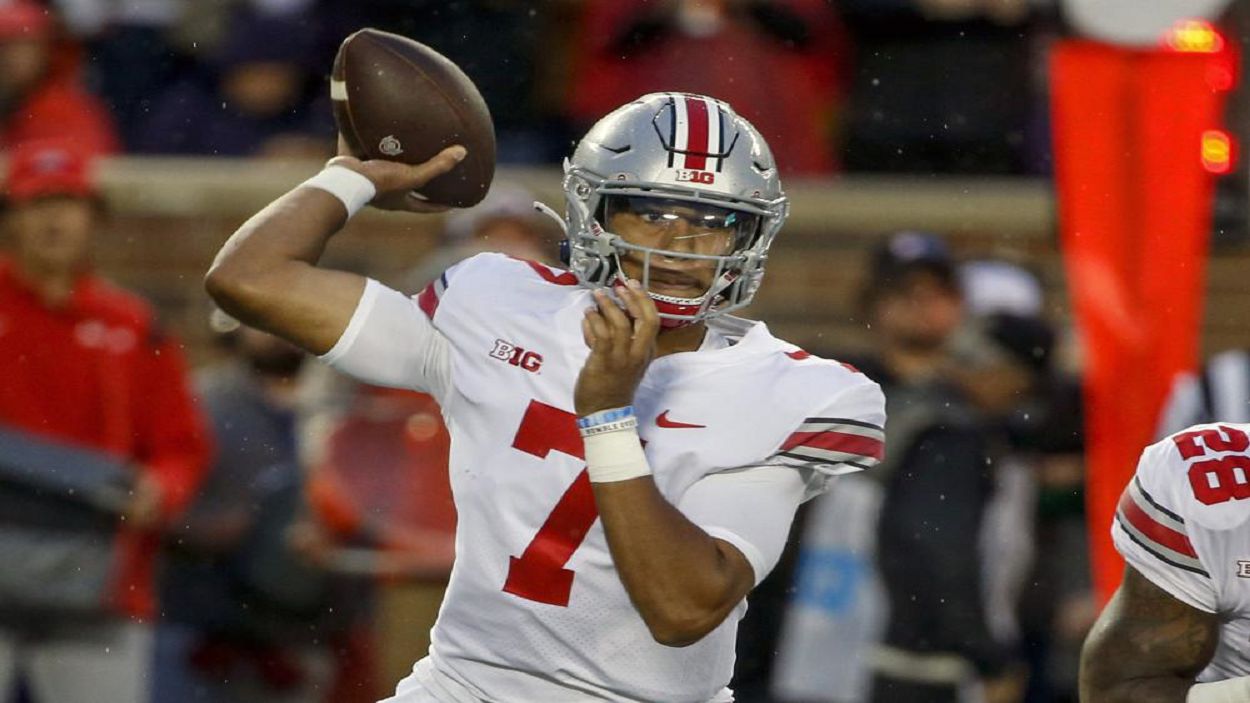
(427, 300)
(564, 278)
(837, 442)
(1153, 529)
(696, 143)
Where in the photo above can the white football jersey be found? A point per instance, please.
(535, 610)
(1184, 523)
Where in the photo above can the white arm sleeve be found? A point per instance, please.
(751, 509)
(390, 342)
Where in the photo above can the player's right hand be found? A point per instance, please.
(396, 182)
(622, 344)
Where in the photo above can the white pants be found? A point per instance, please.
(426, 685)
(106, 662)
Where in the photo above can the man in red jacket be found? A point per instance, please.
(84, 364)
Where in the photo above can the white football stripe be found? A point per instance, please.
(1135, 493)
(830, 456)
(858, 430)
(713, 131)
(1162, 551)
(681, 131)
(338, 90)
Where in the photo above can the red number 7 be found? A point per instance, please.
(539, 573)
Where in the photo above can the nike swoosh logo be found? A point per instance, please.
(662, 421)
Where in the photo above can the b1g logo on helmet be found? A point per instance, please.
(688, 176)
(511, 353)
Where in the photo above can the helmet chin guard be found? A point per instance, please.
(678, 148)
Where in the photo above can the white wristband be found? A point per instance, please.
(615, 456)
(352, 189)
(1227, 691)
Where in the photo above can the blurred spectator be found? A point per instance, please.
(941, 86)
(262, 94)
(779, 62)
(993, 286)
(86, 366)
(246, 618)
(40, 92)
(1037, 581)
(131, 58)
(1058, 603)
(927, 500)
(937, 488)
(503, 45)
(1218, 392)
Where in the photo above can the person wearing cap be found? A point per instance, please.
(41, 94)
(925, 637)
(85, 364)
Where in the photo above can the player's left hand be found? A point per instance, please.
(621, 347)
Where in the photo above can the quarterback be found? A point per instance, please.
(626, 456)
(1178, 629)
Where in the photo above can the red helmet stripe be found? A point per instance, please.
(697, 145)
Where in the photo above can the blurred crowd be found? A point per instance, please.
(282, 499)
(920, 86)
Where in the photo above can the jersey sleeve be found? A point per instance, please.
(391, 341)
(751, 509)
(846, 435)
(1151, 534)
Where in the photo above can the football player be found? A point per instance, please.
(626, 456)
(1178, 628)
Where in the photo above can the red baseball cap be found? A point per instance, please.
(42, 169)
(23, 18)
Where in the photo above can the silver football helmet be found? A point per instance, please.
(667, 157)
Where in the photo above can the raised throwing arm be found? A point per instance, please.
(267, 275)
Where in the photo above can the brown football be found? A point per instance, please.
(398, 99)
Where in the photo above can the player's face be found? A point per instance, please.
(52, 235)
(681, 228)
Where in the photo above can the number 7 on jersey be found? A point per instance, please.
(539, 573)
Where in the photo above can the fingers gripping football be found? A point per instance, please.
(622, 344)
(397, 183)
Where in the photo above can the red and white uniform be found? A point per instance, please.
(1184, 523)
(737, 435)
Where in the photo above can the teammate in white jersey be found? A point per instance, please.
(1178, 629)
(626, 458)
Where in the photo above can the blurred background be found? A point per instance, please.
(1025, 218)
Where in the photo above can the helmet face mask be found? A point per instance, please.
(694, 191)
